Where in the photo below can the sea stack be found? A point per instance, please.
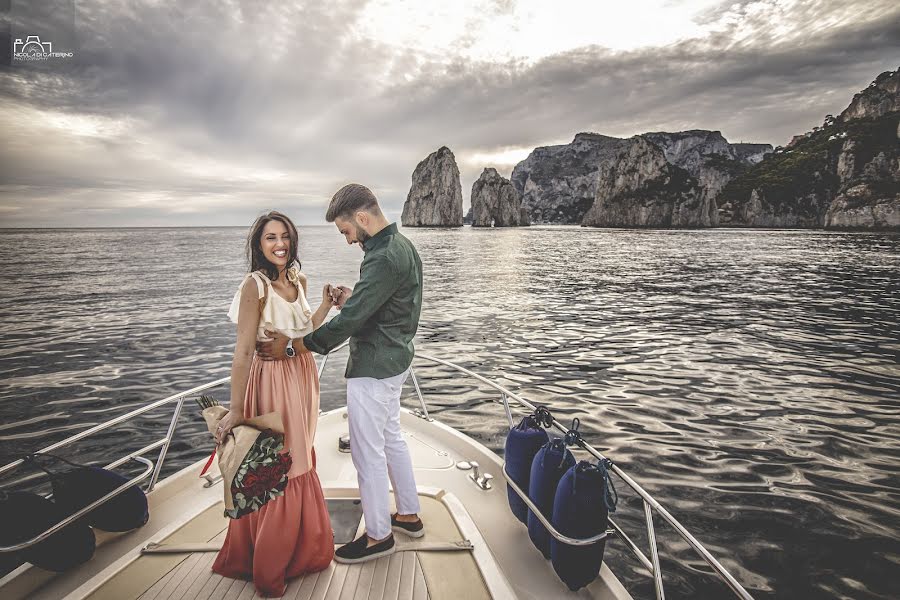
(496, 203)
(435, 197)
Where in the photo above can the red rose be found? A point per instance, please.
(250, 485)
(250, 478)
(271, 474)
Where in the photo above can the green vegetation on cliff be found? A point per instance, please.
(790, 176)
(725, 164)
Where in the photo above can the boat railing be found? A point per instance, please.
(651, 505)
(151, 471)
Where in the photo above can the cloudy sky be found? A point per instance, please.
(206, 113)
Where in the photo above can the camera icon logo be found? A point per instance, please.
(32, 45)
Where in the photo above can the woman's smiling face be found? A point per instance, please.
(276, 244)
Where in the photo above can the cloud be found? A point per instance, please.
(208, 113)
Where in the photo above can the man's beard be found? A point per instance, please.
(361, 236)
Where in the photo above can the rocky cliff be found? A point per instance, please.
(880, 98)
(868, 169)
(639, 187)
(435, 197)
(845, 174)
(558, 183)
(751, 153)
(495, 202)
(709, 158)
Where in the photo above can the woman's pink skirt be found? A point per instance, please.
(290, 535)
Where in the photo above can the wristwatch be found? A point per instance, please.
(289, 350)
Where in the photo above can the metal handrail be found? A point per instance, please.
(654, 552)
(614, 528)
(547, 525)
(164, 449)
(112, 422)
(77, 515)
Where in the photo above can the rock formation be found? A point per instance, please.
(640, 188)
(751, 154)
(709, 158)
(868, 166)
(880, 98)
(435, 197)
(845, 174)
(869, 194)
(558, 183)
(495, 202)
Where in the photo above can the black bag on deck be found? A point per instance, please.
(76, 486)
(24, 515)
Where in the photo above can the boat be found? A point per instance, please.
(474, 547)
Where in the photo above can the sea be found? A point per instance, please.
(748, 379)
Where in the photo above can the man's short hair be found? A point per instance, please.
(349, 200)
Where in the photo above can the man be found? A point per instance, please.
(380, 316)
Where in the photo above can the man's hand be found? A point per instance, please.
(340, 295)
(274, 350)
(232, 419)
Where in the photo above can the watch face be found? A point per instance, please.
(289, 351)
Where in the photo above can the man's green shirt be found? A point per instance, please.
(382, 314)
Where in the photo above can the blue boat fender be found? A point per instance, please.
(584, 498)
(522, 443)
(549, 465)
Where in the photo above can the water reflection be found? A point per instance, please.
(749, 379)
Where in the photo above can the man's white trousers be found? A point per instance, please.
(379, 451)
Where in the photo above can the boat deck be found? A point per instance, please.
(406, 575)
(502, 564)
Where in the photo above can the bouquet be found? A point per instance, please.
(254, 468)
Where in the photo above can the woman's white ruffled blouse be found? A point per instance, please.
(293, 319)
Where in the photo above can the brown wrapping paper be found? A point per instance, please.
(238, 442)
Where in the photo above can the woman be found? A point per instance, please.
(291, 534)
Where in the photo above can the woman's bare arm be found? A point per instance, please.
(248, 322)
(319, 316)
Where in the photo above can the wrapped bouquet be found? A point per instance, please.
(254, 468)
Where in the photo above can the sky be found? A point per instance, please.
(174, 113)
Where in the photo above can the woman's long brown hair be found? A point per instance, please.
(258, 260)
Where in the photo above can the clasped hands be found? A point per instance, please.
(336, 294)
(333, 295)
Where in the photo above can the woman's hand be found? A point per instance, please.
(231, 420)
(328, 294)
